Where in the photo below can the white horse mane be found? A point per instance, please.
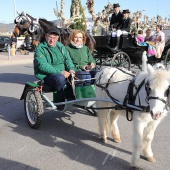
(156, 78)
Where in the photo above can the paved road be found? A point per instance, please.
(65, 140)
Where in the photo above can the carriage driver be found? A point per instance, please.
(53, 64)
(116, 17)
(123, 27)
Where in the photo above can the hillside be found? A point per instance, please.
(10, 27)
(6, 27)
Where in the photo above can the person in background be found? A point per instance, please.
(81, 57)
(114, 22)
(123, 27)
(139, 36)
(148, 36)
(116, 17)
(159, 40)
(53, 64)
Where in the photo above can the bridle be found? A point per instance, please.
(166, 93)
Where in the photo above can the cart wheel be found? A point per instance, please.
(33, 107)
(121, 59)
(167, 59)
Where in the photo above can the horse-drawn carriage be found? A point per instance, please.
(129, 53)
(145, 96)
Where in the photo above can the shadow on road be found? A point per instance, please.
(18, 78)
(9, 164)
(60, 130)
(55, 132)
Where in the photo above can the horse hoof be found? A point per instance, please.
(117, 140)
(104, 140)
(151, 159)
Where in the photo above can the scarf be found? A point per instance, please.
(75, 45)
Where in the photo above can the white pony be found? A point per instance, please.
(150, 92)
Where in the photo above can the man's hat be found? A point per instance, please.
(53, 30)
(126, 11)
(116, 5)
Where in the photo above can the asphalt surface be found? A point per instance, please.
(66, 140)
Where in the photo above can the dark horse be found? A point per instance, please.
(37, 28)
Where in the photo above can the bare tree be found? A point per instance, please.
(102, 18)
(75, 17)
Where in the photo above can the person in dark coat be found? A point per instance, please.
(126, 21)
(124, 26)
(116, 17)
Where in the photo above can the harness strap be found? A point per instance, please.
(137, 92)
(158, 98)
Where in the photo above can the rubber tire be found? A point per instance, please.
(120, 59)
(35, 105)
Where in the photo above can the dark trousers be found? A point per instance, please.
(58, 81)
(81, 75)
(85, 75)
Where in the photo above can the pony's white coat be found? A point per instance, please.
(144, 123)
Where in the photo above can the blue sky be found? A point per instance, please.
(44, 8)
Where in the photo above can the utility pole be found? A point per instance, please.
(14, 9)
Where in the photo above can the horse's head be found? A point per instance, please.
(155, 91)
(22, 22)
(27, 24)
(22, 18)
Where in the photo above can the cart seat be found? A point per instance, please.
(101, 41)
(126, 41)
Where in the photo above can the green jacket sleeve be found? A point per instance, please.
(68, 61)
(41, 64)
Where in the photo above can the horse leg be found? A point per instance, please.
(114, 127)
(103, 124)
(147, 140)
(138, 128)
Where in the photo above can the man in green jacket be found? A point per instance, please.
(53, 64)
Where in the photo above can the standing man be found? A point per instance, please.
(116, 17)
(53, 64)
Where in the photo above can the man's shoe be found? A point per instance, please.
(116, 48)
(61, 107)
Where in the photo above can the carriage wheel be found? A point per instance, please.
(121, 59)
(167, 58)
(33, 107)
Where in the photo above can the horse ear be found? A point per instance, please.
(18, 13)
(150, 69)
(23, 12)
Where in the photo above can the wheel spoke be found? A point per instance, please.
(121, 59)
